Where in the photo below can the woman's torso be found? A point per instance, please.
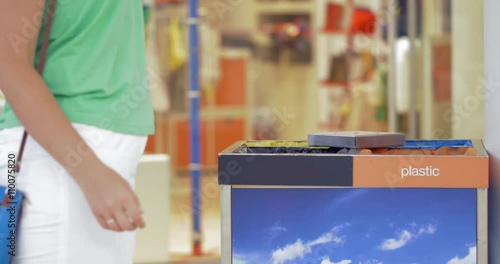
(96, 66)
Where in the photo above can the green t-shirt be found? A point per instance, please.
(96, 66)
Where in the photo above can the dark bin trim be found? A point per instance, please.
(285, 170)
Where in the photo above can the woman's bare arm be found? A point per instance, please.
(38, 111)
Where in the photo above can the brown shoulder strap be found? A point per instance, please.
(41, 66)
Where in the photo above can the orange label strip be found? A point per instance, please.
(419, 171)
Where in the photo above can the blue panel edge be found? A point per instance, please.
(435, 144)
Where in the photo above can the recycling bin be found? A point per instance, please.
(287, 202)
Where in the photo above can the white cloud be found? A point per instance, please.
(290, 252)
(239, 259)
(276, 230)
(246, 258)
(469, 259)
(345, 261)
(351, 195)
(329, 237)
(277, 227)
(395, 243)
(372, 261)
(405, 236)
(299, 249)
(429, 229)
(326, 260)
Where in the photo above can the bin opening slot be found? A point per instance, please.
(280, 147)
(411, 147)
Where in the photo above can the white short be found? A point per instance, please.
(57, 225)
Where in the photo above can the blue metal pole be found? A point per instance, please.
(194, 95)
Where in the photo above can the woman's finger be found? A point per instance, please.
(102, 221)
(134, 212)
(110, 223)
(123, 221)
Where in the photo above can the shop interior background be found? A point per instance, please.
(279, 69)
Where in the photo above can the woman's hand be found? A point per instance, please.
(111, 198)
